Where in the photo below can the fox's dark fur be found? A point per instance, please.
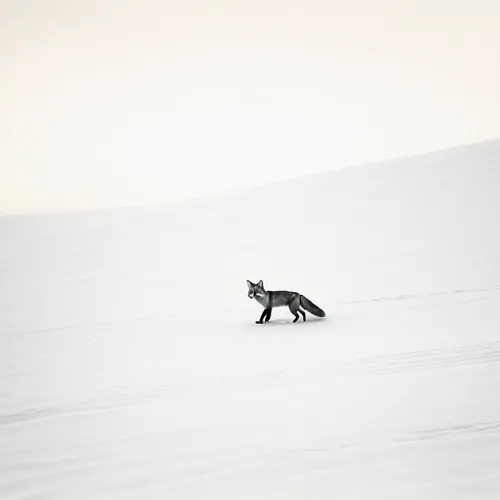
(295, 301)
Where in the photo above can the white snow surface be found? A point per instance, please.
(131, 366)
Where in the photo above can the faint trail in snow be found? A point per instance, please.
(451, 431)
(421, 435)
(413, 296)
(378, 365)
(428, 359)
(24, 416)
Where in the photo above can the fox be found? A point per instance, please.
(269, 299)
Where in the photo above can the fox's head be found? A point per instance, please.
(255, 289)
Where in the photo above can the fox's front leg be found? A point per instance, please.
(268, 317)
(265, 314)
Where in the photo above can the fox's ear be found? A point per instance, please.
(261, 284)
(250, 284)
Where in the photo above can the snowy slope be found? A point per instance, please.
(131, 366)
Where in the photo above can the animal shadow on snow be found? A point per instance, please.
(288, 322)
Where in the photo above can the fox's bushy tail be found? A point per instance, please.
(312, 308)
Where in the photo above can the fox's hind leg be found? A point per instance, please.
(294, 306)
(303, 313)
(294, 313)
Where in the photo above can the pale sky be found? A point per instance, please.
(107, 103)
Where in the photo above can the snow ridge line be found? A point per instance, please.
(410, 296)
